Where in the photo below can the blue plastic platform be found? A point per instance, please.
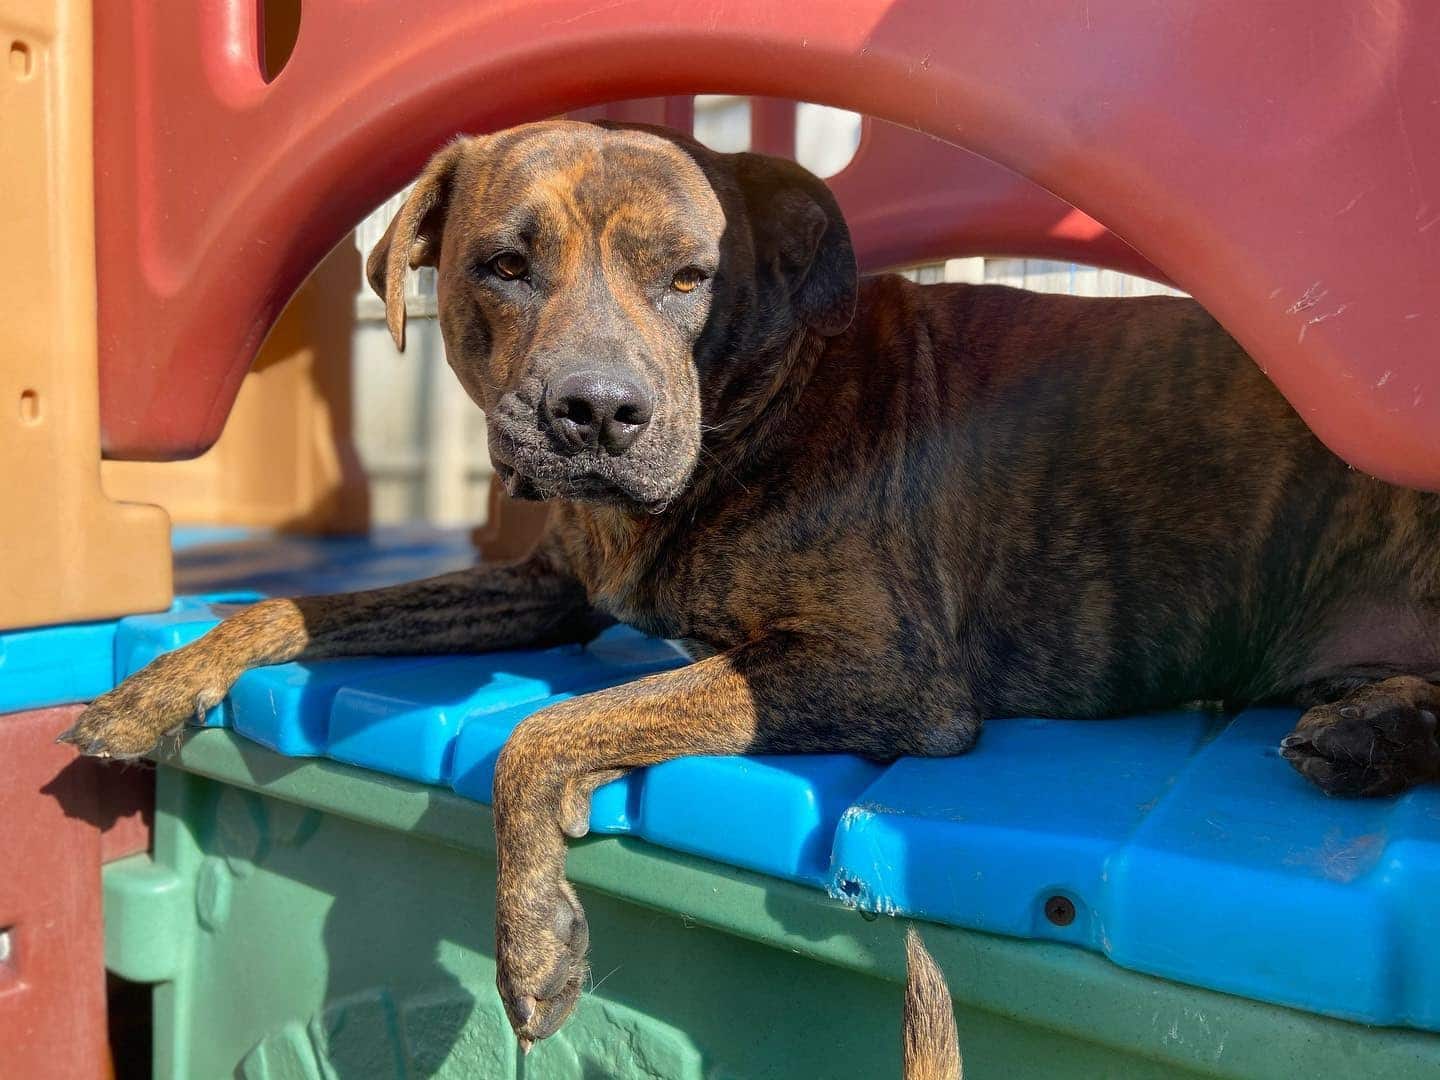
(1186, 847)
(55, 665)
(60, 665)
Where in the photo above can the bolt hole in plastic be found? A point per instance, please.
(22, 63)
(29, 407)
(277, 24)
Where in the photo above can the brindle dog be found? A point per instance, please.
(883, 512)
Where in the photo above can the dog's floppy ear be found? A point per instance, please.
(413, 238)
(801, 238)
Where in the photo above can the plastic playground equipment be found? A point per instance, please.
(179, 170)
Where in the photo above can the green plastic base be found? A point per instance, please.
(301, 919)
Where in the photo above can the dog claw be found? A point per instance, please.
(92, 748)
(525, 1044)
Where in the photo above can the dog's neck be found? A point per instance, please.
(757, 410)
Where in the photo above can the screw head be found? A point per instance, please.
(1060, 910)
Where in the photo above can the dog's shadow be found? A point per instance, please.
(103, 794)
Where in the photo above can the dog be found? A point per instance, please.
(882, 513)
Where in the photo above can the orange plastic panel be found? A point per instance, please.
(287, 457)
(66, 552)
(1279, 161)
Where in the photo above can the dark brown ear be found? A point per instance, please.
(413, 238)
(800, 238)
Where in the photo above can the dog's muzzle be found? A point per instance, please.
(591, 431)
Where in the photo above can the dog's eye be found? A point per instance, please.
(509, 266)
(687, 280)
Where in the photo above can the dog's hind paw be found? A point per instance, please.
(1380, 740)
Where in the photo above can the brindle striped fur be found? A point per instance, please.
(883, 512)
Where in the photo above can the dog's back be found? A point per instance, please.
(1089, 507)
(1126, 469)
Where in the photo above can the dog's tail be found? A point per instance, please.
(932, 1047)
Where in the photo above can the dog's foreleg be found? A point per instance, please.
(473, 610)
(784, 694)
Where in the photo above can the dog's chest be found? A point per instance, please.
(653, 607)
(647, 620)
(678, 598)
(741, 571)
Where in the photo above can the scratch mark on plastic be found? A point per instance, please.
(1311, 296)
(588, 12)
(1351, 204)
(1320, 319)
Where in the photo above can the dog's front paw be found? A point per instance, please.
(541, 939)
(130, 720)
(1378, 741)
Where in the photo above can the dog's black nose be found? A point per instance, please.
(598, 408)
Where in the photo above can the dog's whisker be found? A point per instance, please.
(724, 468)
(596, 985)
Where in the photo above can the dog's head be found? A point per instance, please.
(607, 294)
